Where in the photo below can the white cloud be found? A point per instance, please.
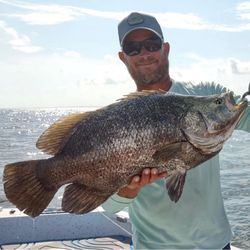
(18, 41)
(240, 68)
(230, 72)
(72, 53)
(45, 18)
(52, 14)
(67, 78)
(181, 21)
(57, 80)
(243, 10)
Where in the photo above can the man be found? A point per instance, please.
(198, 219)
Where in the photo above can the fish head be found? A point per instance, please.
(210, 120)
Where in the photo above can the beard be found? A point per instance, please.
(152, 77)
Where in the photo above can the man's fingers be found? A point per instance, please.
(135, 182)
(140, 181)
(145, 177)
(153, 175)
(148, 176)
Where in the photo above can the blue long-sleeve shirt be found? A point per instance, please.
(198, 219)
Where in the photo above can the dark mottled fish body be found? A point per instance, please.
(98, 152)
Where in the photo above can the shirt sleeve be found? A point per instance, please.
(116, 203)
(244, 123)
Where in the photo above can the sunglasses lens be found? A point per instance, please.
(153, 45)
(132, 48)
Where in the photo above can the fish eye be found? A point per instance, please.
(218, 101)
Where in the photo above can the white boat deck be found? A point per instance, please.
(98, 243)
(57, 230)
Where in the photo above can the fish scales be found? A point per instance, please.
(111, 123)
(123, 142)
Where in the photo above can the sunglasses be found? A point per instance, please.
(133, 48)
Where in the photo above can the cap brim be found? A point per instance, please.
(138, 28)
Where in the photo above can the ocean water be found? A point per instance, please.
(20, 129)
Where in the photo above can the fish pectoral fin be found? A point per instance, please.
(175, 185)
(169, 152)
(55, 137)
(172, 156)
(81, 199)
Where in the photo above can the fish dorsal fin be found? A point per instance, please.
(55, 137)
(137, 94)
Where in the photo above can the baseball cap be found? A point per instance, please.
(136, 21)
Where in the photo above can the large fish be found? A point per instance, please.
(96, 153)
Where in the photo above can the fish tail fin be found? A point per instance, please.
(81, 199)
(24, 189)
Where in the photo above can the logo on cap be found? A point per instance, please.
(135, 18)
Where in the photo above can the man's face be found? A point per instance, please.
(147, 67)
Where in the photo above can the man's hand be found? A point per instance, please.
(148, 176)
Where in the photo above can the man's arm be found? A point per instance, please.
(244, 123)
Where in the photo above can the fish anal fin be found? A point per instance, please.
(175, 185)
(55, 137)
(80, 199)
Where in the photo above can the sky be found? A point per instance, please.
(64, 53)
